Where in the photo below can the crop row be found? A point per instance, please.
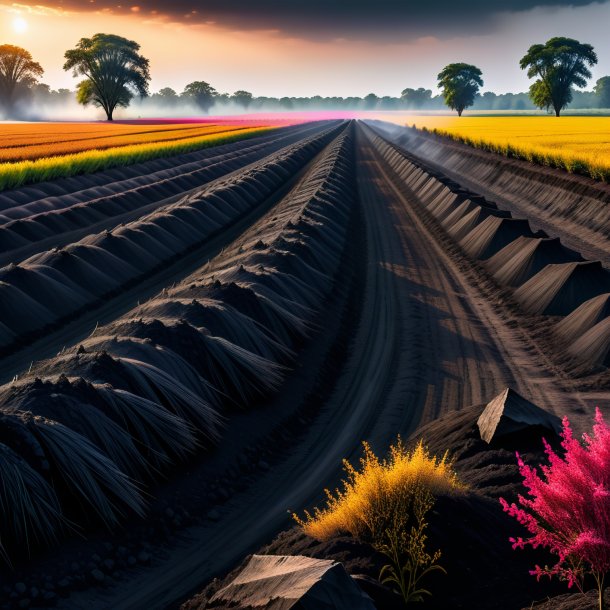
(13, 175)
(544, 277)
(54, 287)
(48, 218)
(23, 151)
(80, 189)
(84, 432)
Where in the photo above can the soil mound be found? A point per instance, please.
(559, 289)
(583, 318)
(593, 348)
(493, 234)
(523, 258)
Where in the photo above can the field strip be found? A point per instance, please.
(52, 342)
(135, 199)
(85, 188)
(13, 175)
(575, 209)
(376, 396)
(315, 211)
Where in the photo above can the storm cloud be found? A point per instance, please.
(318, 19)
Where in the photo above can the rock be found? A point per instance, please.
(131, 560)
(280, 581)
(24, 603)
(108, 564)
(97, 575)
(34, 592)
(509, 412)
(20, 588)
(263, 465)
(50, 597)
(169, 513)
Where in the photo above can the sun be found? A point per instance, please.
(20, 25)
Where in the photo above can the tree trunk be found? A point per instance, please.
(459, 111)
(557, 111)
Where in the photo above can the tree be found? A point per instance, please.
(242, 98)
(167, 94)
(460, 84)
(201, 93)
(416, 98)
(371, 101)
(222, 99)
(487, 100)
(17, 70)
(560, 64)
(115, 72)
(602, 92)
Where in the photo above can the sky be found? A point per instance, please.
(312, 47)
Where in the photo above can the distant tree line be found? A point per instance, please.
(116, 75)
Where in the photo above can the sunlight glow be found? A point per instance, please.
(20, 25)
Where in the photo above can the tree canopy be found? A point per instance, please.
(559, 65)
(115, 72)
(242, 98)
(17, 70)
(202, 93)
(602, 91)
(460, 85)
(416, 98)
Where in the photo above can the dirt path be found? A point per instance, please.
(427, 342)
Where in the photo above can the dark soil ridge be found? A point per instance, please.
(167, 522)
(56, 220)
(558, 196)
(116, 271)
(538, 330)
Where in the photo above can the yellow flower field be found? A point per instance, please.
(579, 144)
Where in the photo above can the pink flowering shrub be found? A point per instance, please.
(567, 509)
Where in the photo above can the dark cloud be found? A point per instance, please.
(331, 18)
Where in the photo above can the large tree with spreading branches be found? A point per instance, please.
(17, 71)
(460, 84)
(559, 65)
(113, 68)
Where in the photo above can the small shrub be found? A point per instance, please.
(568, 508)
(385, 503)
